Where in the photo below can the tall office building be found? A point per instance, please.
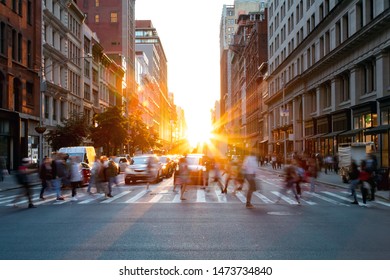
(114, 23)
(148, 42)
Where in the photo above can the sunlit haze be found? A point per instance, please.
(189, 32)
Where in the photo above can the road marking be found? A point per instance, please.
(285, 198)
(337, 196)
(220, 196)
(176, 199)
(200, 196)
(263, 198)
(158, 196)
(116, 197)
(93, 197)
(241, 197)
(137, 197)
(327, 199)
(307, 201)
(375, 201)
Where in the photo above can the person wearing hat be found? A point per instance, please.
(22, 176)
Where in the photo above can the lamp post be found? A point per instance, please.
(284, 122)
(40, 129)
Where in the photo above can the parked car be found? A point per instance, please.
(122, 162)
(137, 170)
(168, 166)
(195, 168)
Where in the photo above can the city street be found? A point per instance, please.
(136, 224)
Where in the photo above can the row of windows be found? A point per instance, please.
(327, 42)
(18, 44)
(113, 17)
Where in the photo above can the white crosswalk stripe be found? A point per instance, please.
(111, 199)
(164, 194)
(284, 197)
(263, 198)
(327, 199)
(137, 196)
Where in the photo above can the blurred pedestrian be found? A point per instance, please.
(181, 177)
(354, 181)
(76, 178)
(249, 167)
(290, 179)
(364, 177)
(23, 176)
(111, 173)
(46, 175)
(234, 174)
(95, 180)
(312, 173)
(60, 174)
(150, 168)
(217, 174)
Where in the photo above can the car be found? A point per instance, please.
(122, 162)
(85, 172)
(168, 166)
(137, 170)
(196, 167)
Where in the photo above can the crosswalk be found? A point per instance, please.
(165, 194)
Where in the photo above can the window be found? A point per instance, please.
(29, 12)
(97, 18)
(20, 51)
(2, 37)
(46, 107)
(29, 93)
(87, 66)
(87, 92)
(29, 54)
(97, 3)
(14, 44)
(114, 17)
(369, 77)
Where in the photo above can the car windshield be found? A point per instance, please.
(140, 160)
(193, 160)
(163, 159)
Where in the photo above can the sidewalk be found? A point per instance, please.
(10, 182)
(331, 179)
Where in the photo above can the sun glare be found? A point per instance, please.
(199, 134)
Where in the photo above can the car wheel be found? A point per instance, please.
(127, 182)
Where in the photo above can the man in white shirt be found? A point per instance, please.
(250, 167)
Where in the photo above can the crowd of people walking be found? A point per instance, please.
(60, 170)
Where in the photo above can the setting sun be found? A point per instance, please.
(199, 132)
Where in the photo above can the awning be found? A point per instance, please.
(262, 142)
(332, 134)
(352, 132)
(315, 136)
(377, 130)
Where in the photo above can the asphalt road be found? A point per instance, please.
(152, 226)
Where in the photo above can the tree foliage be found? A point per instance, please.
(142, 137)
(71, 133)
(110, 131)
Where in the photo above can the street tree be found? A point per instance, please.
(72, 133)
(142, 138)
(110, 130)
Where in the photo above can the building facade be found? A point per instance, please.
(148, 42)
(114, 23)
(329, 73)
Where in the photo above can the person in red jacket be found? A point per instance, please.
(364, 177)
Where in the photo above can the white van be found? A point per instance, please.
(86, 154)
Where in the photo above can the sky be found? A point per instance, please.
(189, 33)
